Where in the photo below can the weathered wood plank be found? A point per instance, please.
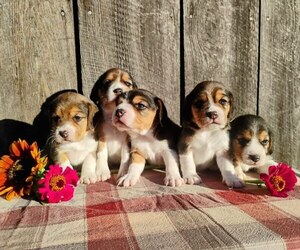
(221, 43)
(139, 36)
(37, 55)
(279, 92)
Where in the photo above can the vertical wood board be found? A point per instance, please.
(279, 91)
(221, 43)
(139, 36)
(37, 56)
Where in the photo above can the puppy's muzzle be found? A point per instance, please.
(118, 91)
(254, 158)
(64, 134)
(212, 115)
(119, 113)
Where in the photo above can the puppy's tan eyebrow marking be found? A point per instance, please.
(219, 94)
(246, 134)
(263, 135)
(138, 99)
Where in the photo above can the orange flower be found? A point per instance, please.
(18, 169)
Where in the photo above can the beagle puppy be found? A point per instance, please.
(204, 140)
(153, 135)
(72, 140)
(113, 148)
(251, 144)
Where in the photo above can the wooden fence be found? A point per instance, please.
(169, 46)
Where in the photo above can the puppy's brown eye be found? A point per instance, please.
(140, 106)
(264, 142)
(77, 118)
(128, 84)
(106, 82)
(223, 101)
(243, 141)
(55, 118)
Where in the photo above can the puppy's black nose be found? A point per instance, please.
(212, 114)
(64, 134)
(119, 113)
(118, 91)
(254, 158)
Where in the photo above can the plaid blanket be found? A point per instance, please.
(153, 216)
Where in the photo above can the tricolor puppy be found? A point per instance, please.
(204, 139)
(152, 134)
(72, 140)
(250, 144)
(112, 144)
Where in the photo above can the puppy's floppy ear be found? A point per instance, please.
(231, 103)
(134, 85)
(271, 147)
(161, 112)
(92, 110)
(94, 96)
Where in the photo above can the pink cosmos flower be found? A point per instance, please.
(280, 180)
(57, 185)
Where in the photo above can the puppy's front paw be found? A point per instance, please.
(128, 180)
(234, 181)
(173, 181)
(103, 174)
(192, 179)
(88, 178)
(102, 171)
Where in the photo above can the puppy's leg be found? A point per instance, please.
(63, 160)
(125, 156)
(188, 169)
(88, 174)
(239, 172)
(173, 177)
(135, 170)
(227, 170)
(102, 169)
(265, 168)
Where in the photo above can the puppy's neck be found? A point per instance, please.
(141, 134)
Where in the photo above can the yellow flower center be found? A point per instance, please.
(278, 182)
(57, 182)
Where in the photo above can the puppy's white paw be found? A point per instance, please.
(241, 176)
(173, 181)
(102, 171)
(103, 174)
(192, 179)
(88, 178)
(128, 180)
(233, 181)
(123, 170)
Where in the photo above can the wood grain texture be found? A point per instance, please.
(221, 43)
(279, 92)
(139, 36)
(37, 55)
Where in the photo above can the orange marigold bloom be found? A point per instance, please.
(18, 169)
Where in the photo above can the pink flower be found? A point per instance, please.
(57, 185)
(280, 180)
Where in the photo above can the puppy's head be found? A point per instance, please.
(109, 86)
(250, 140)
(209, 105)
(71, 116)
(139, 111)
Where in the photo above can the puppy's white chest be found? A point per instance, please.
(115, 140)
(206, 144)
(78, 151)
(151, 149)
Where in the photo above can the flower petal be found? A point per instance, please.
(67, 193)
(4, 190)
(11, 194)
